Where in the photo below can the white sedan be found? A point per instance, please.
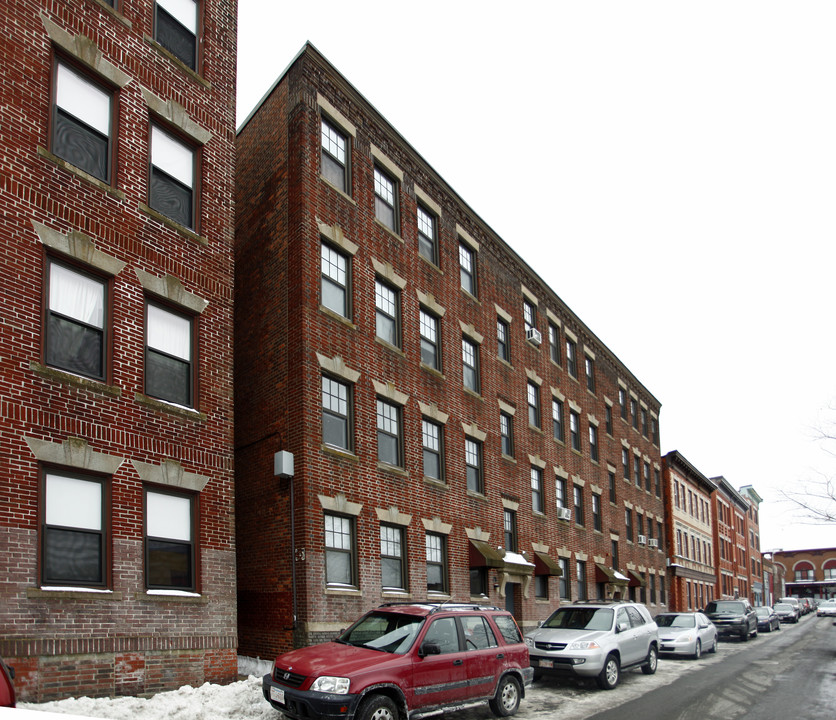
(826, 608)
(686, 633)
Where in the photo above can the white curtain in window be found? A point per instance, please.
(185, 11)
(172, 156)
(76, 295)
(169, 333)
(71, 502)
(169, 516)
(83, 100)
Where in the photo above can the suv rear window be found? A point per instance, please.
(508, 627)
(725, 606)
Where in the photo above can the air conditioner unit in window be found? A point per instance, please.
(564, 513)
(653, 542)
(642, 539)
(533, 335)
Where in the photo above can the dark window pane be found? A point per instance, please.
(391, 572)
(337, 567)
(435, 578)
(80, 145)
(175, 38)
(334, 430)
(384, 213)
(428, 354)
(167, 378)
(432, 464)
(426, 247)
(333, 171)
(169, 564)
(387, 449)
(72, 556)
(74, 347)
(171, 198)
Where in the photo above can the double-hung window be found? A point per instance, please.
(589, 364)
(169, 541)
(74, 532)
(554, 343)
(529, 317)
(625, 462)
(533, 399)
(335, 156)
(473, 465)
(335, 280)
(582, 589)
(596, 512)
(173, 173)
(563, 582)
(430, 340)
(433, 442)
(436, 549)
(427, 236)
(575, 430)
(537, 490)
(169, 355)
(577, 497)
(387, 313)
(385, 199)
(82, 122)
(76, 322)
(467, 268)
(593, 442)
(506, 433)
(175, 28)
(503, 348)
(336, 413)
(509, 522)
(560, 492)
(340, 566)
(392, 557)
(470, 365)
(611, 483)
(389, 437)
(628, 524)
(572, 358)
(558, 427)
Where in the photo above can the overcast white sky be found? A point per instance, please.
(669, 168)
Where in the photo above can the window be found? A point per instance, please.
(427, 236)
(503, 349)
(175, 28)
(509, 524)
(537, 490)
(436, 563)
(657, 475)
(533, 394)
(643, 416)
(563, 579)
(81, 122)
(473, 463)
(433, 450)
(169, 371)
(541, 587)
(647, 477)
(625, 462)
(593, 442)
(430, 340)
(628, 524)
(387, 313)
(560, 492)
(589, 364)
(634, 413)
(571, 358)
(389, 438)
(622, 401)
(74, 537)
(608, 421)
(467, 268)
(640, 523)
(335, 156)
(172, 184)
(470, 365)
(577, 496)
(334, 282)
(529, 316)
(554, 343)
(169, 541)
(339, 551)
(659, 536)
(385, 199)
(392, 558)
(76, 339)
(336, 418)
(506, 433)
(611, 481)
(575, 430)
(557, 420)
(637, 474)
(614, 549)
(582, 591)
(478, 581)
(596, 512)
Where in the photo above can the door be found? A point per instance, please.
(481, 649)
(440, 679)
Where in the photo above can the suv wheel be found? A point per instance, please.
(378, 707)
(611, 672)
(652, 661)
(507, 698)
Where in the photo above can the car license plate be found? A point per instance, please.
(277, 694)
(546, 663)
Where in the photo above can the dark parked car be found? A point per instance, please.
(7, 688)
(733, 618)
(767, 619)
(405, 659)
(786, 612)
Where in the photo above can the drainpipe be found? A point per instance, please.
(283, 468)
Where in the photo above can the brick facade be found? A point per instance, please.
(109, 430)
(806, 573)
(290, 341)
(731, 512)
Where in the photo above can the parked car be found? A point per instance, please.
(595, 640)
(686, 633)
(827, 608)
(806, 606)
(402, 659)
(767, 619)
(7, 688)
(796, 603)
(733, 618)
(786, 612)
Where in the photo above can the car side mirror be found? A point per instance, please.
(622, 626)
(429, 648)
(540, 624)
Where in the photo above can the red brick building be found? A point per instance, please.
(689, 528)
(117, 554)
(808, 573)
(456, 430)
(753, 545)
(731, 556)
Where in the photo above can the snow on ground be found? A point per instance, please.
(243, 700)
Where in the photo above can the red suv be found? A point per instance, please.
(7, 688)
(404, 659)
